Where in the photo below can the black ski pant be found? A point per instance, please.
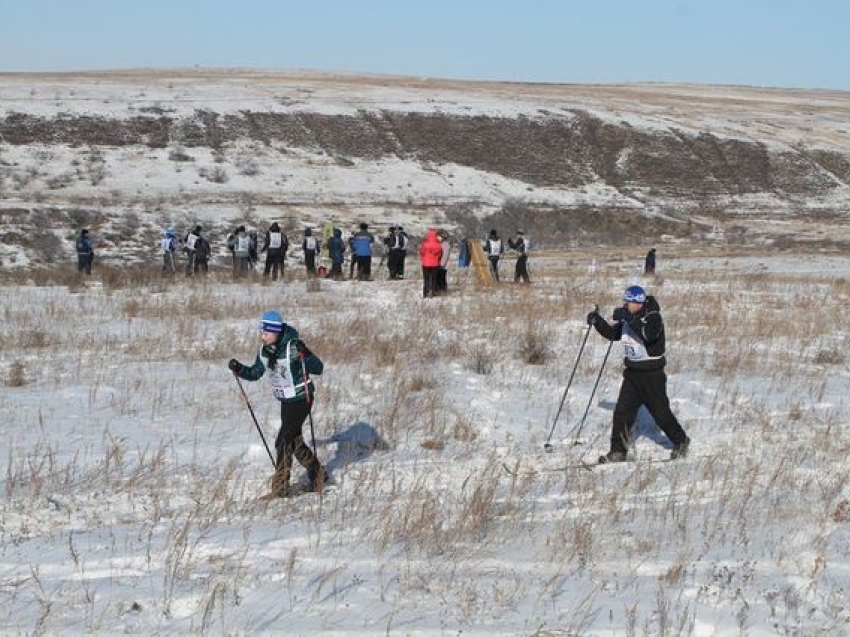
(394, 263)
(647, 388)
(494, 267)
(274, 266)
(84, 261)
(190, 262)
(310, 262)
(442, 280)
(364, 267)
(429, 281)
(290, 442)
(521, 271)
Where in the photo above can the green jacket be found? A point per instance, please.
(284, 367)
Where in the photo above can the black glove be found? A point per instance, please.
(235, 366)
(622, 314)
(592, 317)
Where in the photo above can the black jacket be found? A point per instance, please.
(646, 327)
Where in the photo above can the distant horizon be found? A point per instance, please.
(399, 76)
(760, 43)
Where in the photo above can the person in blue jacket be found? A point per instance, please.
(289, 366)
(361, 247)
(85, 252)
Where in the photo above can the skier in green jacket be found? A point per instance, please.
(289, 365)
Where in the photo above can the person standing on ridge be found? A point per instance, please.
(289, 366)
(85, 252)
(649, 262)
(638, 324)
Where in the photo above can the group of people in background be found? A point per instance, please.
(494, 248)
(194, 245)
(242, 244)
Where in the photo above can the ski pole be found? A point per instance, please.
(548, 446)
(593, 391)
(256, 424)
(306, 379)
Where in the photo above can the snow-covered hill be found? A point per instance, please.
(128, 153)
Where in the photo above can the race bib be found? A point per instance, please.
(634, 348)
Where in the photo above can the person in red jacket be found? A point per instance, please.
(430, 252)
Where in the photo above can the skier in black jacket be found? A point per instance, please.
(638, 324)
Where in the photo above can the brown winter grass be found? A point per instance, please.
(396, 360)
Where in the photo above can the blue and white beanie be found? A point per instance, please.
(271, 321)
(634, 294)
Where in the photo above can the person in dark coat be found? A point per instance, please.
(190, 247)
(275, 245)
(403, 241)
(311, 247)
(85, 252)
(520, 245)
(394, 242)
(336, 250)
(649, 262)
(639, 326)
(203, 252)
(289, 365)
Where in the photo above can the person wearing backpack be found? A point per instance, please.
(85, 252)
(275, 246)
(169, 251)
(289, 365)
(311, 247)
(520, 245)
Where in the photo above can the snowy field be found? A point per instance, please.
(132, 463)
